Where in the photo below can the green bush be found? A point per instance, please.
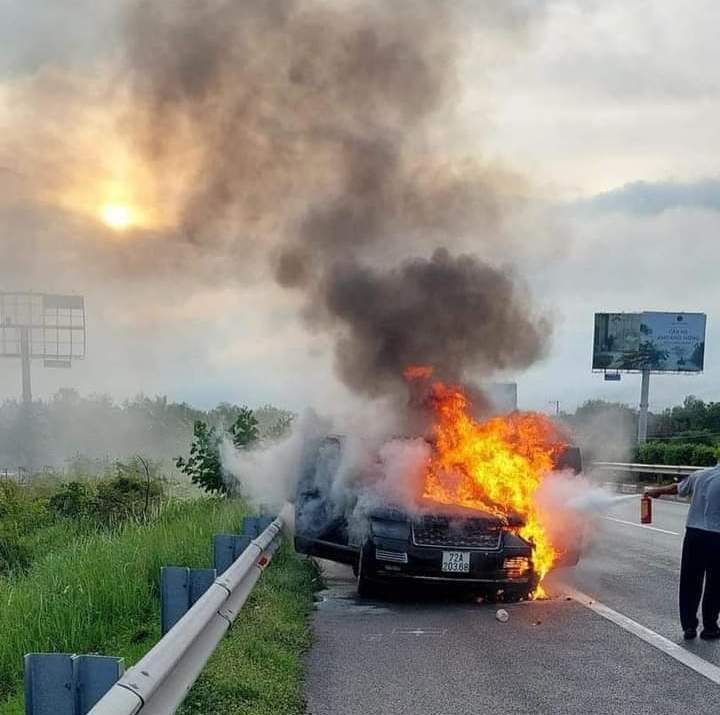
(20, 515)
(651, 453)
(679, 454)
(100, 592)
(14, 555)
(128, 496)
(74, 500)
(704, 456)
(134, 492)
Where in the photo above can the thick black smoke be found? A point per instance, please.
(451, 312)
(308, 127)
(309, 131)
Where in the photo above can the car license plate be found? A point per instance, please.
(456, 562)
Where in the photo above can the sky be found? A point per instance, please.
(603, 114)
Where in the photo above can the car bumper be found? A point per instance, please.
(383, 561)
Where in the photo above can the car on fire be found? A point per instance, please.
(436, 544)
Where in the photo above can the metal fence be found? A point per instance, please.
(161, 680)
(67, 684)
(656, 470)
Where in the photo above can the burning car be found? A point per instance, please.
(485, 551)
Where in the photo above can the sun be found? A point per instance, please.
(118, 216)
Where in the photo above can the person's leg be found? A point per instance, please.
(692, 571)
(711, 598)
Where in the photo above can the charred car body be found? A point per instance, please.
(437, 543)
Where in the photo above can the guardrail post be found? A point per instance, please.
(264, 522)
(251, 526)
(160, 681)
(180, 588)
(227, 548)
(65, 684)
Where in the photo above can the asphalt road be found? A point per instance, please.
(425, 655)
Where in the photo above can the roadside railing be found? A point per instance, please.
(613, 473)
(161, 680)
(656, 469)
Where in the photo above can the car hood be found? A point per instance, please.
(429, 508)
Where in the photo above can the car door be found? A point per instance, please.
(321, 526)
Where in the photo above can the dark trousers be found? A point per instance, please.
(700, 562)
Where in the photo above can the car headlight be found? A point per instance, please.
(516, 566)
(390, 529)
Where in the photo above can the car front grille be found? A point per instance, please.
(460, 533)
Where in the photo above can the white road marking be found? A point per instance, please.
(640, 526)
(674, 650)
(419, 631)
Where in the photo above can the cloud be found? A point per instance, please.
(34, 33)
(647, 198)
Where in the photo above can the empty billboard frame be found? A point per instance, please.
(47, 327)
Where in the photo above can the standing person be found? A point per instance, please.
(700, 553)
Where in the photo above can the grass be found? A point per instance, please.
(258, 669)
(100, 593)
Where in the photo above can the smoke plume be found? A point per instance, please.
(314, 144)
(308, 129)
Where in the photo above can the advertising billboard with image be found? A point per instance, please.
(660, 342)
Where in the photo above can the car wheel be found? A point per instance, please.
(365, 587)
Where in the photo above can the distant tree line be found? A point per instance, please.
(687, 434)
(91, 433)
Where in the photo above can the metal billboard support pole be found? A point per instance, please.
(25, 359)
(644, 407)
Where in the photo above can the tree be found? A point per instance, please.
(605, 431)
(280, 427)
(204, 466)
(244, 431)
(273, 423)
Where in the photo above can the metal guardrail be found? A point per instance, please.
(159, 683)
(665, 469)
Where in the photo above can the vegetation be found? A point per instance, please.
(99, 592)
(257, 670)
(80, 563)
(694, 420)
(88, 434)
(46, 515)
(204, 465)
(687, 434)
(95, 588)
(677, 453)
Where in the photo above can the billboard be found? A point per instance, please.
(660, 342)
(52, 327)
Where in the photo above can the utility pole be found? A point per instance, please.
(39, 326)
(644, 407)
(25, 360)
(556, 404)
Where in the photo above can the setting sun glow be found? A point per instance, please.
(118, 216)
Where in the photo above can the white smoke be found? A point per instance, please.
(569, 507)
(564, 491)
(268, 476)
(375, 468)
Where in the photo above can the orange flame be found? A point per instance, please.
(495, 466)
(418, 372)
